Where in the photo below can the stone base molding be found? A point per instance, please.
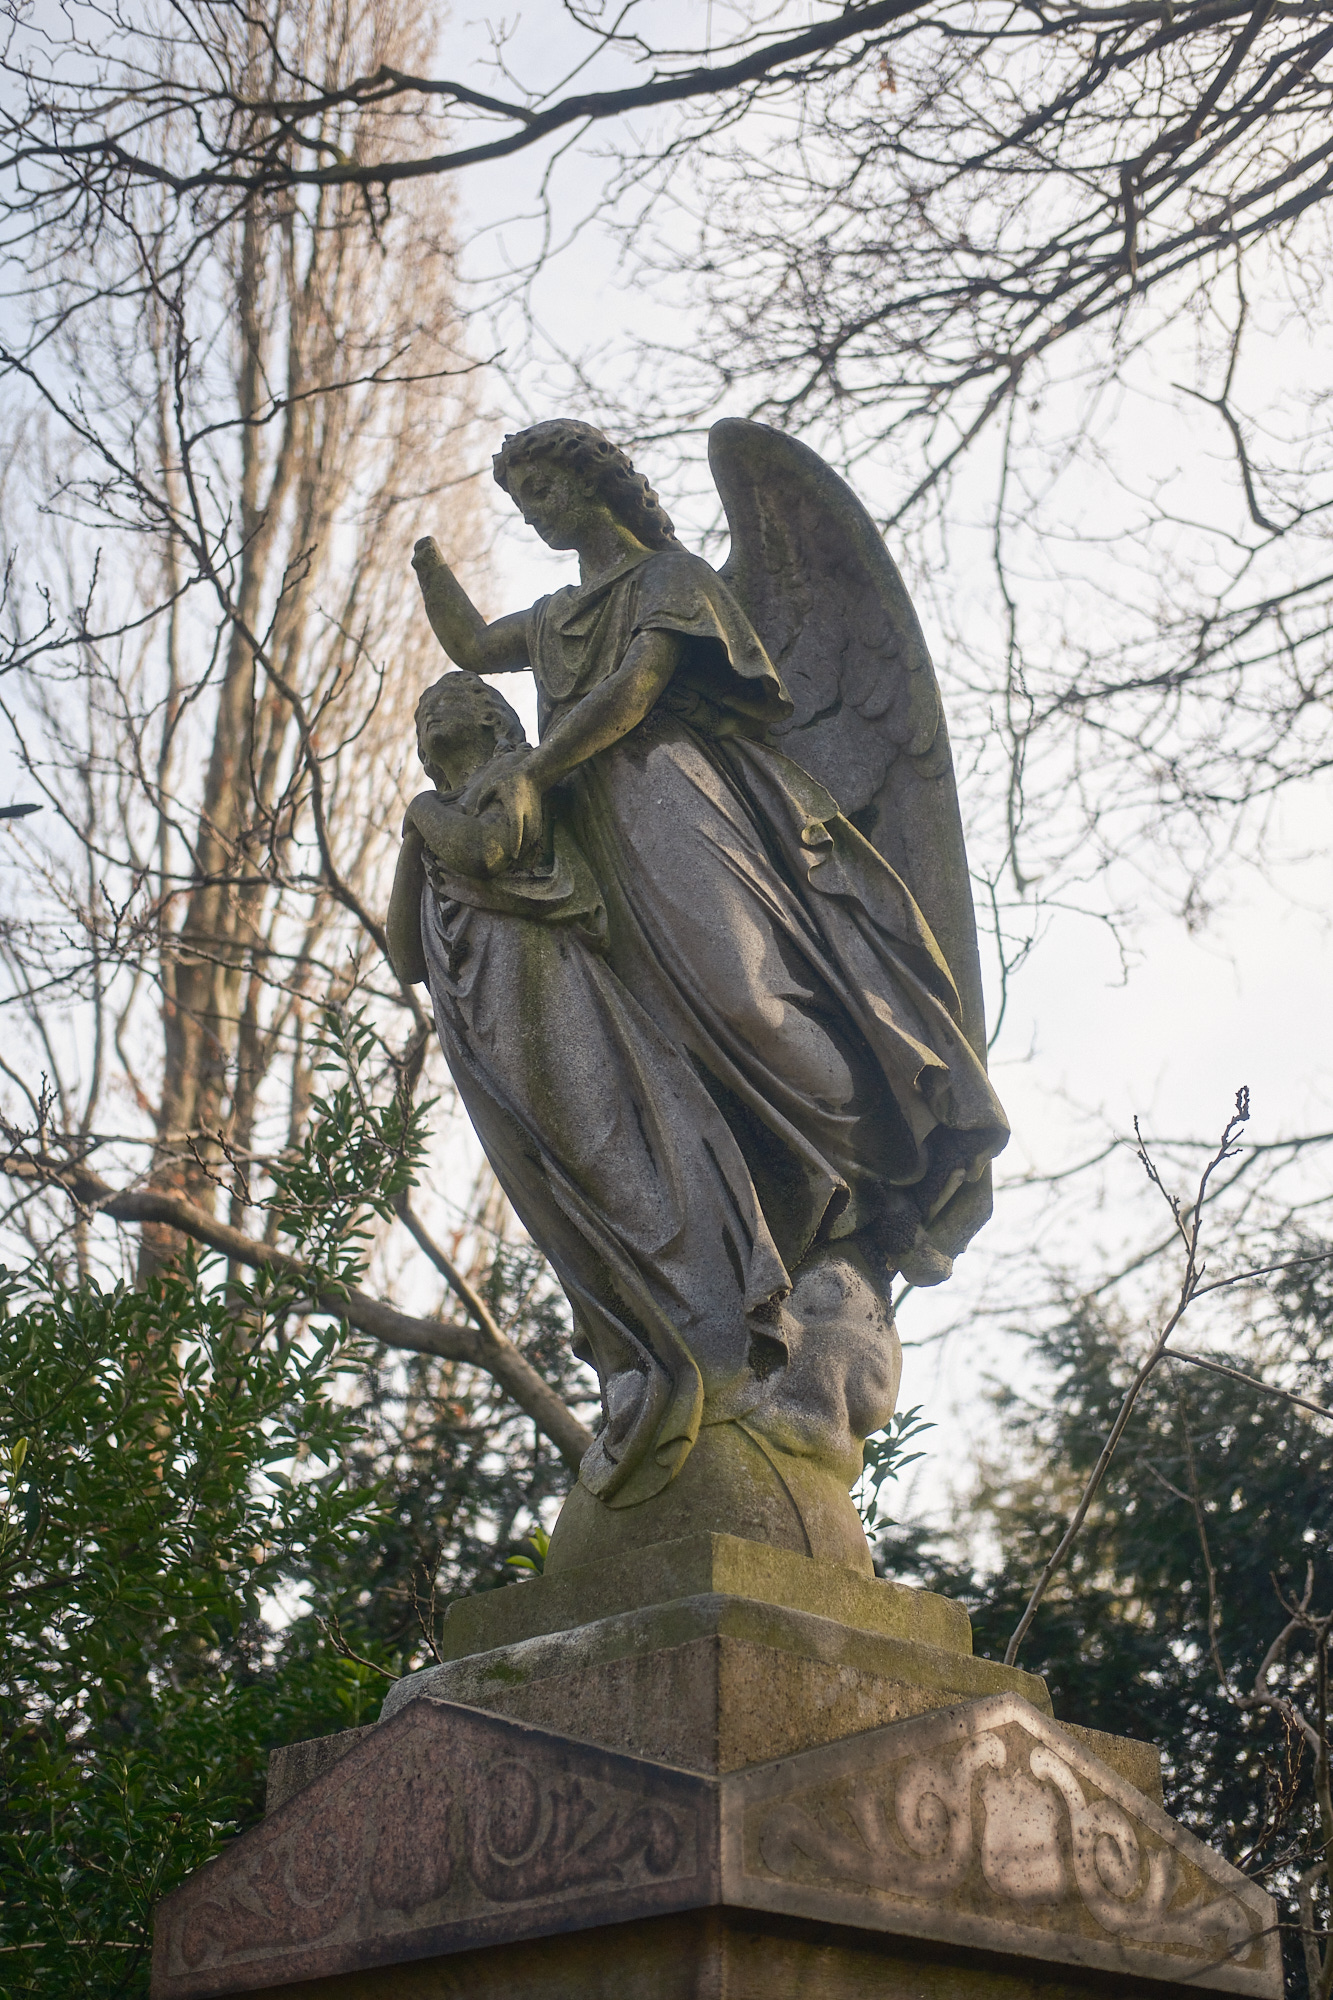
(976, 1848)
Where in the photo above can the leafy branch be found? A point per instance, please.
(355, 1159)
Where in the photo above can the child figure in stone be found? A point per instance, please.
(588, 1112)
(461, 726)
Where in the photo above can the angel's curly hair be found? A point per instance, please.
(461, 696)
(590, 453)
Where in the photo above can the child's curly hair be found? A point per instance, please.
(590, 453)
(461, 696)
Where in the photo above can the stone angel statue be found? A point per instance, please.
(704, 966)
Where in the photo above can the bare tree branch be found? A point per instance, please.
(1189, 1227)
(1252, 1381)
(481, 1346)
(284, 121)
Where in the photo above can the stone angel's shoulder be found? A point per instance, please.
(677, 572)
(680, 591)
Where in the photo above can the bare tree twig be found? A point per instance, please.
(333, 1632)
(1252, 1381)
(1189, 1228)
(289, 117)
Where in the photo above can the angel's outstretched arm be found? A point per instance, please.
(498, 648)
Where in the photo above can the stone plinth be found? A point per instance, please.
(782, 1780)
(712, 1653)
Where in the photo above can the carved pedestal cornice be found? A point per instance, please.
(983, 1828)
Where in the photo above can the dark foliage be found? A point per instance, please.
(180, 1469)
(217, 1540)
(224, 1525)
(463, 1477)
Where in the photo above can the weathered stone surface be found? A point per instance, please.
(714, 1705)
(724, 1955)
(1139, 1764)
(989, 1826)
(714, 1683)
(296, 1765)
(982, 1835)
(754, 1653)
(737, 1480)
(443, 1830)
(706, 1564)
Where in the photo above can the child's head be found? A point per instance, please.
(461, 724)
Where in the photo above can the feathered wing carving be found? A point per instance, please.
(811, 572)
(810, 569)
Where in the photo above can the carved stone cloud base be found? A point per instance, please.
(818, 1813)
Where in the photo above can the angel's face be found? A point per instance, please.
(558, 504)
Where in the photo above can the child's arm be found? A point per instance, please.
(403, 924)
(479, 846)
(463, 845)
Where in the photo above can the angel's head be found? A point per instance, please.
(461, 724)
(568, 479)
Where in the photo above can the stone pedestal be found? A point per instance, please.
(718, 1771)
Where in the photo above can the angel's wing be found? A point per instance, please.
(810, 570)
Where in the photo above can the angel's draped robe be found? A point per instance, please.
(713, 1033)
